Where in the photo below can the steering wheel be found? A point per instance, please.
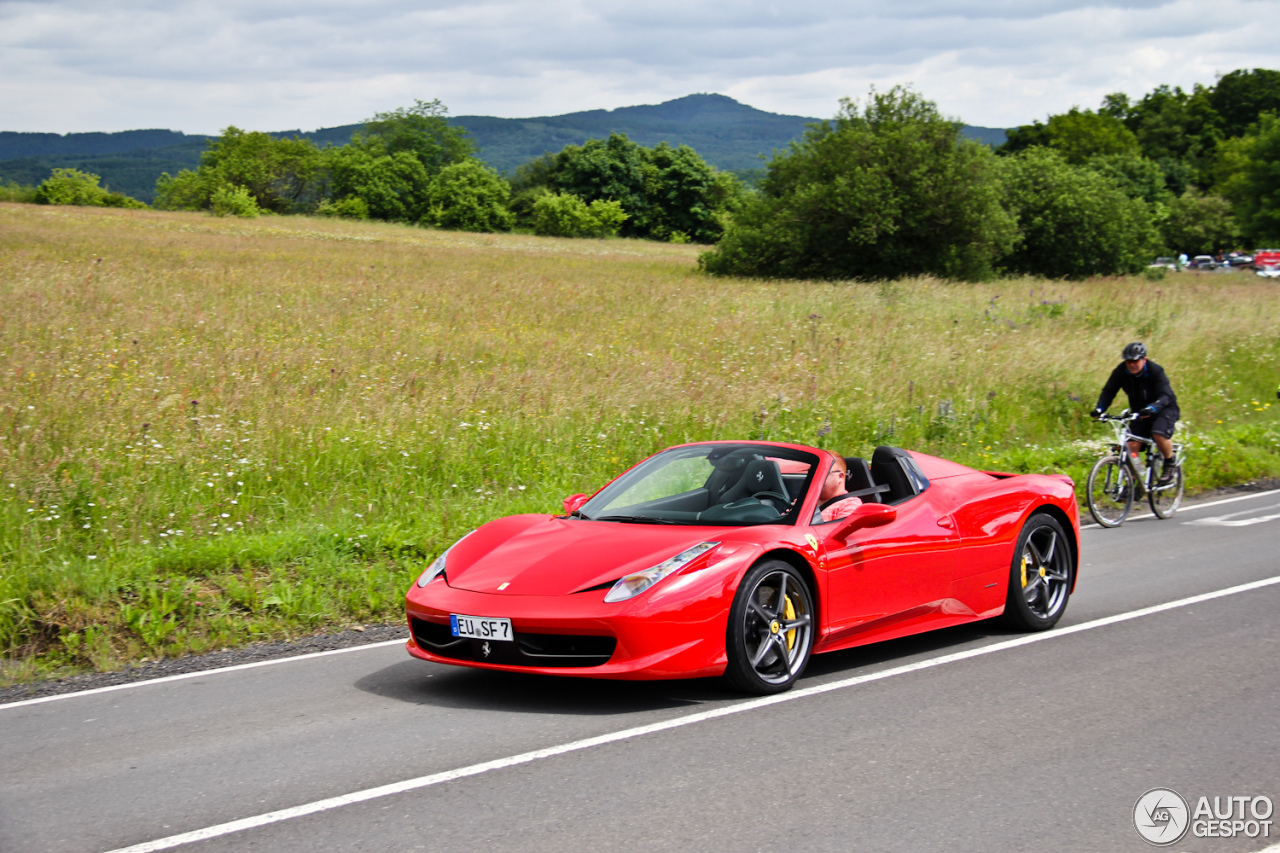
(781, 503)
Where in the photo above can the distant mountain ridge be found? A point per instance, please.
(727, 134)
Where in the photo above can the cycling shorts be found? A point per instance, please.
(1161, 423)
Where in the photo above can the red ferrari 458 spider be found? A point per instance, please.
(716, 559)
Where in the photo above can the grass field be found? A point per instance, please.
(217, 431)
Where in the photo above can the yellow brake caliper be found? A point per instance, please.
(1024, 571)
(790, 614)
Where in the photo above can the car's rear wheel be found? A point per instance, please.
(1110, 491)
(1041, 574)
(771, 629)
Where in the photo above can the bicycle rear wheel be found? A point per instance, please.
(1110, 491)
(1165, 500)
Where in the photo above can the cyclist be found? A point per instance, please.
(1151, 397)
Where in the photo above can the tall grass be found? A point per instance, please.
(216, 431)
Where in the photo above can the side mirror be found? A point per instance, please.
(573, 503)
(867, 515)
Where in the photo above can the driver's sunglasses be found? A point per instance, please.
(1132, 360)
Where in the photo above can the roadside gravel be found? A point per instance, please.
(345, 639)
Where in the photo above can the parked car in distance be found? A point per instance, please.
(1203, 262)
(1265, 258)
(1165, 264)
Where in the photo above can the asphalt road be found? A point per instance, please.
(966, 739)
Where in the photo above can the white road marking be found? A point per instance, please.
(168, 678)
(639, 731)
(1233, 519)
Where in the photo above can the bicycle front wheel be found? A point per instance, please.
(1165, 500)
(1110, 491)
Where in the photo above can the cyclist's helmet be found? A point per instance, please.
(1134, 351)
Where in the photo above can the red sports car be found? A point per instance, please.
(716, 558)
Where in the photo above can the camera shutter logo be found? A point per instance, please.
(1161, 816)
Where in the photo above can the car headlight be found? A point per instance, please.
(437, 565)
(637, 582)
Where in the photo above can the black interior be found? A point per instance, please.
(894, 467)
(858, 481)
(759, 475)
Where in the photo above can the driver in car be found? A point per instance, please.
(836, 502)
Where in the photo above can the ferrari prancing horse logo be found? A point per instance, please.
(485, 648)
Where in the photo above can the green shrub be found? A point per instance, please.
(566, 215)
(71, 186)
(469, 196)
(351, 207)
(16, 192)
(232, 200)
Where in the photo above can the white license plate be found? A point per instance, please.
(482, 628)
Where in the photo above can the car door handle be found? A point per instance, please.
(945, 521)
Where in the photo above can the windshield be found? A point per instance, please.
(720, 484)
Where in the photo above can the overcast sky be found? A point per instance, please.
(198, 66)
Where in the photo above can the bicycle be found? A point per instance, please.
(1119, 478)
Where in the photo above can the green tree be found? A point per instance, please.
(1135, 176)
(393, 187)
(1072, 221)
(608, 169)
(1254, 185)
(1242, 96)
(1176, 129)
(469, 196)
(882, 191)
(423, 131)
(686, 196)
(281, 175)
(668, 193)
(187, 190)
(390, 167)
(1200, 224)
(1078, 134)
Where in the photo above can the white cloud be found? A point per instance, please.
(75, 65)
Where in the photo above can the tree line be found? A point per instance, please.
(412, 166)
(887, 188)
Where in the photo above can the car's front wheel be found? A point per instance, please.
(1040, 577)
(771, 629)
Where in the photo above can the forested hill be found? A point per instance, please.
(727, 134)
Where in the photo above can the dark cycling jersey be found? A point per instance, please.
(1149, 388)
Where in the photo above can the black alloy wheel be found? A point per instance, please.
(1041, 575)
(771, 629)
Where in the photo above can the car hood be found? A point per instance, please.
(541, 555)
